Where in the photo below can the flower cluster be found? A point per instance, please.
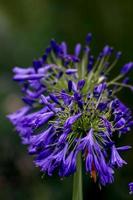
(71, 107)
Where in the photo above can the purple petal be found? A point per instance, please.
(71, 71)
(127, 67)
(130, 185)
(115, 158)
(71, 120)
(69, 85)
(77, 49)
(24, 77)
(124, 148)
(81, 84)
(88, 38)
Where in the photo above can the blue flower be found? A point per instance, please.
(71, 120)
(68, 166)
(88, 38)
(115, 158)
(71, 107)
(127, 67)
(99, 89)
(130, 188)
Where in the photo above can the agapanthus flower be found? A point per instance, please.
(130, 188)
(71, 108)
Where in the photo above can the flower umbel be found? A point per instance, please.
(71, 107)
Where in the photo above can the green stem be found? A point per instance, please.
(77, 181)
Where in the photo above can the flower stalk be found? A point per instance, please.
(77, 181)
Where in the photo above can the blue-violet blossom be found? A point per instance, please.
(70, 107)
(130, 188)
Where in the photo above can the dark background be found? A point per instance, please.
(26, 27)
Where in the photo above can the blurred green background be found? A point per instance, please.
(26, 27)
